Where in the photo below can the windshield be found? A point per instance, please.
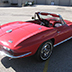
(45, 16)
(49, 17)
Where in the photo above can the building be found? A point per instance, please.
(47, 2)
(12, 2)
(56, 2)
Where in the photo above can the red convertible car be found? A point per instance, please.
(39, 36)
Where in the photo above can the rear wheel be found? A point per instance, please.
(45, 51)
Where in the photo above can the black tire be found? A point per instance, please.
(44, 51)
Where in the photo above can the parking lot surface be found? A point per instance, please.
(61, 59)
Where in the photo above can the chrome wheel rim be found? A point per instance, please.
(46, 51)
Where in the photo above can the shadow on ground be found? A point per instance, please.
(61, 59)
(17, 6)
(28, 64)
(37, 5)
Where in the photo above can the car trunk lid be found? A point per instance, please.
(13, 34)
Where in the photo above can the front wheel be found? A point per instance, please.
(45, 51)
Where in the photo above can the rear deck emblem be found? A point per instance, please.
(8, 31)
(10, 41)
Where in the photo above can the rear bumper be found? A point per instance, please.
(11, 56)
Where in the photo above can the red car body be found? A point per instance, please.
(21, 39)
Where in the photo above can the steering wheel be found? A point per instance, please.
(46, 22)
(42, 23)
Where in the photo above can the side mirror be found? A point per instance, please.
(33, 18)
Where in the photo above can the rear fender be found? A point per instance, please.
(33, 43)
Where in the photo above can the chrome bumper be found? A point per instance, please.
(11, 56)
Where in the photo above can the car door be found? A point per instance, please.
(63, 32)
(70, 26)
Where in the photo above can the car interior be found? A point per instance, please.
(47, 20)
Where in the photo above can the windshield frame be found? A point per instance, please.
(52, 14)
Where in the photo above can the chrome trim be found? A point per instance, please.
(58, 31)
(40, 28)
(11, 56)
(62, 41)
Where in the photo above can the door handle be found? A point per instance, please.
(58, 31)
